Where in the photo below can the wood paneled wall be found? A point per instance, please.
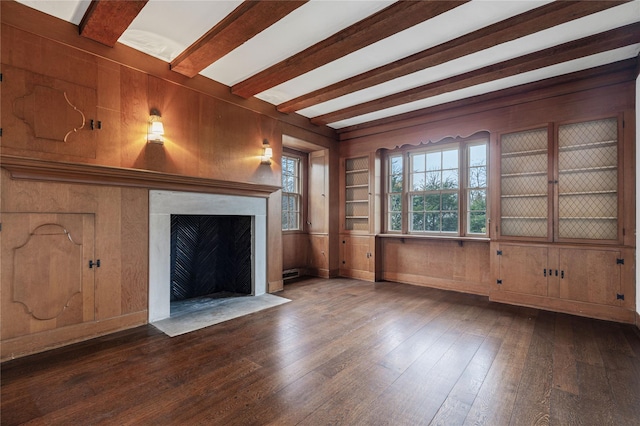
(58, 85)
(452, 265)
(117, 295)
(464, 265)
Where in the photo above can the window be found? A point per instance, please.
(394, 198)
(440, 190)
(477, 189)
(291, 193)
(433, 192)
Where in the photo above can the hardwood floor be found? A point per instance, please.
(343, 352)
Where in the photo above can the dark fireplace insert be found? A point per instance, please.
(210, 256)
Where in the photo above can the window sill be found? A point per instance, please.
(434, 237)
(294, 231)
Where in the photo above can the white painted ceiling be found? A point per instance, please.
(164, 28)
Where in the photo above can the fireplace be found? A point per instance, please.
(165, 204)
(210, 256)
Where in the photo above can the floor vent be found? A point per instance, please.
(290, 274)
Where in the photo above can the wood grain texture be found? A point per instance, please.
(114, 223)
(55, 39)
(521, 25)
(247, 20)
(342, 352)
(587, 46)
(105, 21)
(601, 85)
(442, 264)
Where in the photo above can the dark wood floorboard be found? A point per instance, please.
(343, 352)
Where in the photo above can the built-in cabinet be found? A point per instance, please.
(357, 258)
(592, 281)
(74, 261)
(561, 210)
(561, 184)
(357, 194)
(358, 225)
(317, 262)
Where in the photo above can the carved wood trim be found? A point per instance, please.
(47, 244)
(45, 170)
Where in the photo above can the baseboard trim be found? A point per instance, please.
(30, 344)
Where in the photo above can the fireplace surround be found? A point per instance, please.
(163, 204)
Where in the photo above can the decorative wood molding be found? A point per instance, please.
(45, 170)
(602, 76)
(26, 19)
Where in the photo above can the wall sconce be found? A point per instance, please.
(267, 153)
(156, 129)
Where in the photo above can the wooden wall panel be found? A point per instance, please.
(132, 124)
(274, 243)
(451, 265)
(134, 234)
(318, 256)
(588, 102)
(204, 136)
(46, 254)
(209, 134)
(119, 288)
(295, 250)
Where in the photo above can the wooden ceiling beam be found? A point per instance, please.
(105, 20)
(395, 18)
(608, 40)
(247, 20)
(530, 22)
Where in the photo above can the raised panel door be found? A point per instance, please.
(589, 275)
(356, 257)
(46, 280)
(523, 269)
(318, 169)
(45, 114)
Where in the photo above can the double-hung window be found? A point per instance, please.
(433, 191)
(439, 190)
(291, 193)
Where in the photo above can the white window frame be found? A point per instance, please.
(465, 189)
(291, 193)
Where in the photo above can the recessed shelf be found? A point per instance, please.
(589, 193)
(356, 203)
(588, 145)
(588, 169)
(589, 218)
(523, 195)
(524, 153)
(540, 173)
(524, 217)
